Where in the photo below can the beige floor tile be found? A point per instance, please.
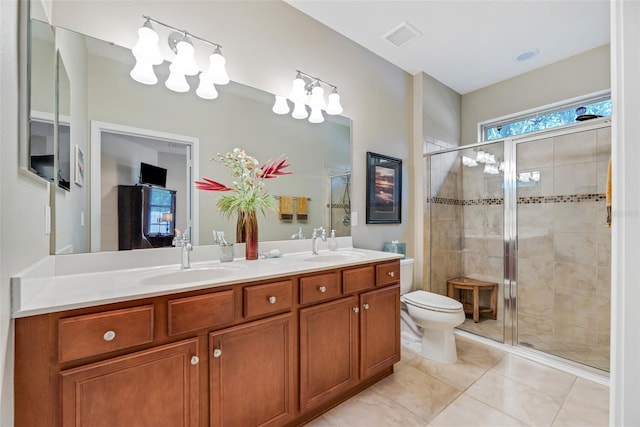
(370, 409)
(420, 393)
(516, 399)
(467, 411)
(586, 405)
(548, 380)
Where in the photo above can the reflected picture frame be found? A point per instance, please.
(384, 189)
(79, 171)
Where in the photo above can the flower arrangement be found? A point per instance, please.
(248, 187)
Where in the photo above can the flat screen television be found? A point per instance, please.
(153, 175)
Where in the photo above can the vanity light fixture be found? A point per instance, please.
(308, 90)
(147, 55)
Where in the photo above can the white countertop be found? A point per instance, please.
(54, 284)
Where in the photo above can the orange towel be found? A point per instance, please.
(286, 208)
(302, 209)
(609, 195)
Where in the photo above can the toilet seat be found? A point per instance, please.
(431, 301)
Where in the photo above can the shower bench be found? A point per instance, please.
(464, 284)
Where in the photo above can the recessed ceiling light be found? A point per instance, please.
(526, 54)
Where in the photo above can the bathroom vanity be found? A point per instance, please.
(268, 342)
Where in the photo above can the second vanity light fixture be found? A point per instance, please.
(147, 54)
(308, 90)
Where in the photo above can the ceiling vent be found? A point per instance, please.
(402, 35)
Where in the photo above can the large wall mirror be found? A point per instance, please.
(119, 126)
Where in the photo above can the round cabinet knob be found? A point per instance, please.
(272, 300)
(195, 360)
(392, 274)
(109, 335)
(322, 289)
(365, 306)
(356, 310)
(217, 352)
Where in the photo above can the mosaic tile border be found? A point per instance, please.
(565, 198)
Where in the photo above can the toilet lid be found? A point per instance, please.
(432, 301)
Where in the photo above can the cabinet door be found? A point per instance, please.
(150, 388)
(379, 330)
(251, 370)
(328, 350)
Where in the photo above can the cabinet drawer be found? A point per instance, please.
(357, 279)
(387, 273)
(93, 334)
(319, 287)
(268, 298)
(200, 312)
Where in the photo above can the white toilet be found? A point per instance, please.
(428, 319)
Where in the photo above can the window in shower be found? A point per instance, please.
(547, 118)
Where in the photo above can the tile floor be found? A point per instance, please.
(487, 387)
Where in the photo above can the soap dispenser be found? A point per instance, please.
(333, 242)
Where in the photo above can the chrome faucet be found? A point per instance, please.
(318, 233)
(183, 242)
(299, 235)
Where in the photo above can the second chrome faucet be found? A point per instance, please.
(318, 233)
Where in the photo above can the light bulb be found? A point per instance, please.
(217, 71)
(206, 89)
(185, 61)
(316, 116)
(146, 48)
(297, 90)
(143, 73)
(317, 98)
(280, 106)
(334, 107)
(176, 81)
(299, 110)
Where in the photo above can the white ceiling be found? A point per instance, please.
(468, 44)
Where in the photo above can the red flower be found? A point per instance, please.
(211, 185)
(275, 168)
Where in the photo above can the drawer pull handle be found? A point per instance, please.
(356, 310)
(195, 360)
(392, 274)
(109, 335)
(365, 306)
(322, 289)
(272, 299)
(217, 352)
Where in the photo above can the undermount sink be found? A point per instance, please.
(338, 256)
(191, 275)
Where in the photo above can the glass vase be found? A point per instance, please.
(247, 233)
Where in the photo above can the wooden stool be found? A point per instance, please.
(474, 285)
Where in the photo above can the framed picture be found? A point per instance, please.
(79, 169)
(384, 189)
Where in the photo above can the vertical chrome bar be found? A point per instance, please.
(510, 244)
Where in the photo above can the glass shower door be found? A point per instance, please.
(564, 246)
(466, 215)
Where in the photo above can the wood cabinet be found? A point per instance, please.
(251, 373)
(150, 388)
(274, 352)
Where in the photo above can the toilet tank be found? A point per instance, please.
(406, 275)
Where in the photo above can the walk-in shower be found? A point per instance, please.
(340, 203)
(528, 214)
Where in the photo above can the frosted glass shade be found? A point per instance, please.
(176, 81)
(298, 93)
(334, 107)
(217, 71)
(317, 98)
(184, 61)
(143, 73)
(146, 49)
(299, 111)
(280, 106)
(206, 89)
(316, 116)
